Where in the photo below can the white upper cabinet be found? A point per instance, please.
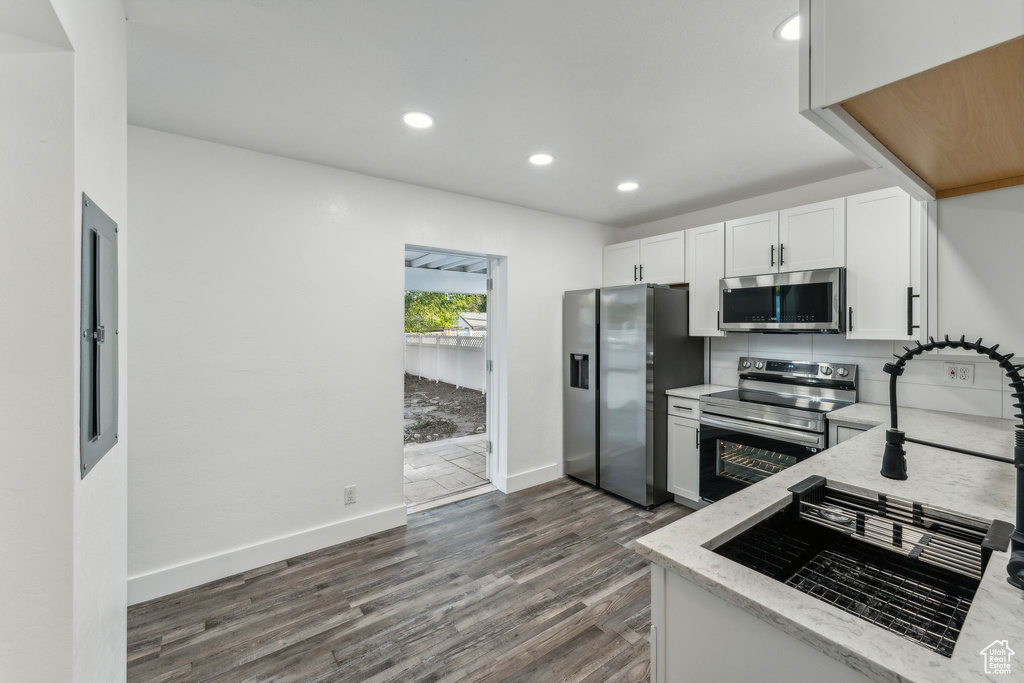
(705, 266)
(878, 273)
(659, 260)
(751, 245)
(622, 264)
(813, 236)
(663, 259)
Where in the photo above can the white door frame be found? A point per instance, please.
(496, 379)
(497, 376)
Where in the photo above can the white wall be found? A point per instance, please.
(253, 403)
(980, 249)
(854, 183)
(98, 34)
(37, 363)
(64, 540)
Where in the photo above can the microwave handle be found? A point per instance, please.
(790, 435)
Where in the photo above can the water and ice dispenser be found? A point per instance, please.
(579, 370)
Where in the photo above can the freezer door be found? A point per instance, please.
(627, 353)
(579, 384)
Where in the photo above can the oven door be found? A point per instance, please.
(735, 454)
(807, 300)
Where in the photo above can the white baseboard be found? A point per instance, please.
(524, 480)
(197, 572)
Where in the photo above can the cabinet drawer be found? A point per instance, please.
(682, 407)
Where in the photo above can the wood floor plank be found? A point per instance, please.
(539, 585)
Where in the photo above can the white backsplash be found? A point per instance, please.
(923, 384)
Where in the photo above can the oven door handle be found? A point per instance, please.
(766, 431)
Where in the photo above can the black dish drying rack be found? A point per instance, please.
(938, 537)
(905, 567)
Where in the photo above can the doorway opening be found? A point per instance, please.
(447, 377)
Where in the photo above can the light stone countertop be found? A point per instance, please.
(872, 414)
(974, 486)
(698, 390)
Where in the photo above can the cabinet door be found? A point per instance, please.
(877, 264)
(622, 264)
(751, 245)
(683, 458)
(662, 259)
(705, 266)
(813, 236)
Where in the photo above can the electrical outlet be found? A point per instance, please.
(350, 494)
(960, 373)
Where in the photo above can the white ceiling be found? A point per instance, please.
(693, 99)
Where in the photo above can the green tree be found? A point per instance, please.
(429, 311)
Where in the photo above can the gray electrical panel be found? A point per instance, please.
(99, 335)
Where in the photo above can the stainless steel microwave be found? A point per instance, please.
(801, 301)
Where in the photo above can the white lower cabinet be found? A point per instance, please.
(698, 636)
(683, 457)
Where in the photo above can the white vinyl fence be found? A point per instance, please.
(457, 360)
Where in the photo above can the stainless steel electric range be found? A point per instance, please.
(774, 419)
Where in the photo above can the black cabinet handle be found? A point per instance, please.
(782, 254)
(641, 272)
(696, 433)
(773, 256)
(850, 325)
(910, 311)
(634, 273)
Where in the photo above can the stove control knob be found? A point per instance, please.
(759, 365)
(746, 364)
(843, 372)
(826, 370)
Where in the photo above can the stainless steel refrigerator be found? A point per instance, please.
(623, 347)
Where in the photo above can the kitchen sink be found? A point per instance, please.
(908, 568)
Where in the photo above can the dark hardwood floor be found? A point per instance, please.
(541, 585)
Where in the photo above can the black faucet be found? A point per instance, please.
(894, 461)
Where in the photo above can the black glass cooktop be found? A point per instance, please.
(780, 400)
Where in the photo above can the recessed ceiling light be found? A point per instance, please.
(418, 119)
(789, 30)
(541, 159)
(628, 186)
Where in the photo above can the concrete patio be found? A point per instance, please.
(440, 468)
